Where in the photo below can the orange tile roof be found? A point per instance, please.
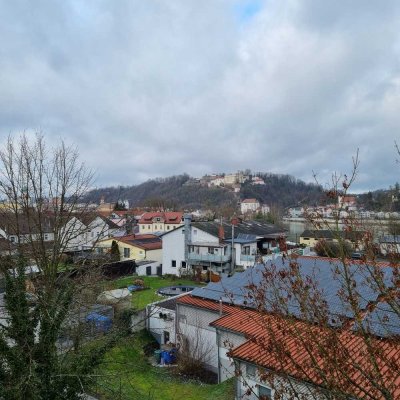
(202, 303)
(168, 217)
(298, 340)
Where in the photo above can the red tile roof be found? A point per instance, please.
(298, 342)
(168, 217)
(202, 303)
(250, 201)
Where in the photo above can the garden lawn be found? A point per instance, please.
(141, 298)
(126, 374)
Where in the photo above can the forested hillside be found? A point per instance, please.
(381, 200)
(170, 192)
(176, 193)
(284, 191)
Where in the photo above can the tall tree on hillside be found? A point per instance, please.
(42, 187)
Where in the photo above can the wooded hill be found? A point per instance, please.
(176, 192)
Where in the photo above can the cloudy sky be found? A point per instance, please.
(154, 88)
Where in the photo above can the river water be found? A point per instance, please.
(296, 228)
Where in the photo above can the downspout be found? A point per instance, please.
(217, 333)
(188, 228)
(219, 362)
(176, 321)
(233, 248)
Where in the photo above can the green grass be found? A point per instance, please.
(126, 374)
(142, 298)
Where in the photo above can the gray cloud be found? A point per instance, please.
(148, 89)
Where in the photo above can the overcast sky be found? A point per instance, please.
(155, 88)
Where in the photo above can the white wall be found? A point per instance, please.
(157, 324)
(141, 269)
(287, 389)
(193, 324)
(173, 245)
(238, 251)
(155, 255)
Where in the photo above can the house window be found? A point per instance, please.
(194, 231)
(246, 250)
(191, 249)
(127, 252)
(211, 250)
(306, 238)
(167, 227)
(183, 264)
(264, 393)
(12, 239)
(148, 227)
(46, 236)
(251, 370)
(166, 337)
(173, 263)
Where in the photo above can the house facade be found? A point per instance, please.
(83, 232)
(134, 247)
(312, 237)
(234, 338)
(151, 222)
(210, 245)
(249, 206)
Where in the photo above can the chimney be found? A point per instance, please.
(221, 233)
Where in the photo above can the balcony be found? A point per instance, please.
(248, 258)
(206, 257)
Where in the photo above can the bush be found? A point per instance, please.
(332, 249)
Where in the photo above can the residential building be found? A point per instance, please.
(249, 206)
(20, 229)
(161, 320)
(347, 201)
(82, 232)
(134, 247)
(159, 221)
(389, 245)
(222, 318)
(311, 237)
(207, 245)
(256, 180)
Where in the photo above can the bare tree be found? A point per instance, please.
(41, 191)
(339, 346)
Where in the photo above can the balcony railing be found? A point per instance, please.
(248, 258)
(218, 258)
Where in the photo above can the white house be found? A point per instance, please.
(183, 250)
(22, 230)
(161, 320)
(208, 245)
(84, 232)
(234, 339)
(249, 206)
(256, 180)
